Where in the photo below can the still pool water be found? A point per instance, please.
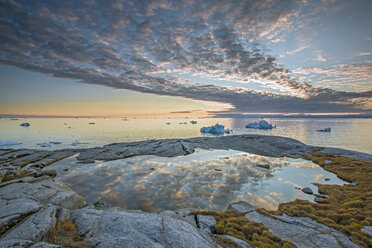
(206, 179)
(354, 134)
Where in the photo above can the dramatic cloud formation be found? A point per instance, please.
(154, 46)
(354, 75)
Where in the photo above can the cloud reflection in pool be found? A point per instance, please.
(206, 179)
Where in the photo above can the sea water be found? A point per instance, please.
(347, 133)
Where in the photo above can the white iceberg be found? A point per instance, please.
(216, 129)
(9, 143)
(26, 124)
(262, 124)
(327, 129)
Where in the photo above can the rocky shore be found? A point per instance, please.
(33, 204)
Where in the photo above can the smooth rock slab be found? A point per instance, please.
(17, 243)
(207, 223)
(43, 192)
(35, 227)
(114, 227)
(302, 231)
(13, 211)
(190, 218)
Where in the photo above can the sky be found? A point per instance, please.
(185, 57)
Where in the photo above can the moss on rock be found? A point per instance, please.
(348, 208)
(234, 223)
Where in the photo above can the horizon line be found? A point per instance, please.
(219, 115)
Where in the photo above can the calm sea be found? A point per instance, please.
(354, 134)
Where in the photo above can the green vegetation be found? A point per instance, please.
(234, 223)
(348, 207)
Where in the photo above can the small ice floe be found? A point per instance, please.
(75, 143)
(44, 144)
(216, 129)
(9, 143)
(262, 124)
(26, 124)
(327, 129)
(193, 122)
(91, 123)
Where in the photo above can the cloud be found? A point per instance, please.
(356, 76)
(364, 54)
(321, 56)
(146, 45)
(297, 50)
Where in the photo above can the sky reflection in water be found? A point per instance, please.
(207, 179)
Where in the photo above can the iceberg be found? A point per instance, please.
(216, 129)
(327, 129)
(262, 124)
(26, 124)
(9, 143)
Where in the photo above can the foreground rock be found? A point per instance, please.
(28, 210)
(114, 227)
